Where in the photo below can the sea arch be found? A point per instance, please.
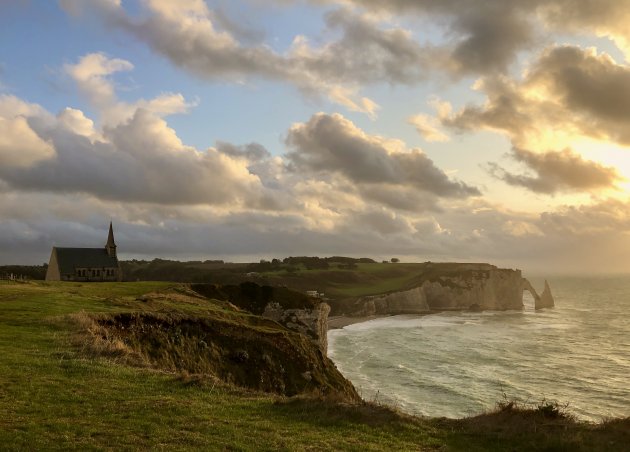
(545, 300)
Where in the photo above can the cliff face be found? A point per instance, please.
(454, 287)
(313, 323)
(493, 289)
(236, 348)
(293, 310)
(408, 302)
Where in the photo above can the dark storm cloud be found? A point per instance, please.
(557, 171)
(590, 85)
(331, 143)
(368, 53)
(483, 36)
(486, 35)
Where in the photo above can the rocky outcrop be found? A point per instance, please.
(527, 286)
(546, 298)
(295, 311)
(313, 323)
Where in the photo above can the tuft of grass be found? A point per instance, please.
(548, 409)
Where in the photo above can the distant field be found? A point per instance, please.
(339, 278)
(338, 282)
(52, 396)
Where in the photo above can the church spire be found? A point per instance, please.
(111, 245)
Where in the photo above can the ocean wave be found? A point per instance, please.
(450, 363)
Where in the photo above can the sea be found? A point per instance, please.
(457, 364)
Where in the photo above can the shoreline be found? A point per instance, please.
(338, 322)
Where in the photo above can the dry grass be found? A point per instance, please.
(264, 357)
(95, 340)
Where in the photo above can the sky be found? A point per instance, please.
(452, 130)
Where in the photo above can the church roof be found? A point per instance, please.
(110, 238)
(69, 259)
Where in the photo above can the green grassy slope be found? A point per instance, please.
(53, 396)
(339, 282)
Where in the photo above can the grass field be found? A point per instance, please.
(53, 396)
(340, 283)
(364, 279)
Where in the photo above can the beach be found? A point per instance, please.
(340, 321)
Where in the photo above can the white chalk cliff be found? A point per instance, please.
(444, 287)
(411, 301)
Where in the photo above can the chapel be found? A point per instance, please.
(85, 264)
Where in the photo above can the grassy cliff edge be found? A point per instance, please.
(58, 391)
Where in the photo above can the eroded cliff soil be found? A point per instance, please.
(248, 351)
(294, 310)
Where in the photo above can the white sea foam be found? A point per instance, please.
(457, 364)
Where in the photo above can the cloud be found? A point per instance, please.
(607, 18)
(481, 36)
(593, 237)
(428, 128)
(486, 35)
(333, 144)
(134, 156)
(558, 171)
(591, 86)
(186, 34)
(19, 145)
(386, 222)
(567, 94)
(140, 160)
(92, 74)
(137, 159)
(606, 217)
(75, 121)
(366, 52)
(12, 106)
(521, 229)
(252, 152)
(140, 173)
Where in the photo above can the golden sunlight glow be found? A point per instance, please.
(609, 154)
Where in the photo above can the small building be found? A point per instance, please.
(85, 264)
